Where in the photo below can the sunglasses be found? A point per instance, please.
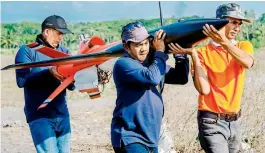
(132, 26)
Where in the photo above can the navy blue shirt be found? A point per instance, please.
(139, 105)
(38, 84)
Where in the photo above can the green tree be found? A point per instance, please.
(14, 35)
(262, 18)
(7, 41)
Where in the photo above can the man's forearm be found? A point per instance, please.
(200, 79)
(25, 77)
(242, 57)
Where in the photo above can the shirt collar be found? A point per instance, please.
(40, 39)
(233, 41)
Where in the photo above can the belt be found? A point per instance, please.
(216, 116)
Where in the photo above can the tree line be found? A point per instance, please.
(16, 34)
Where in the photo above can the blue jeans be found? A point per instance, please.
(135, 148)
(51, 135)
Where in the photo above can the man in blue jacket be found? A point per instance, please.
(139, 107)
(50, 126)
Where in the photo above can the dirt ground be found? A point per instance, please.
(90, 119)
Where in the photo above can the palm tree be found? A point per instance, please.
(7, 41)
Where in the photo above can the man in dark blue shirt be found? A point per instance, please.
(49, 126)
(139, 107)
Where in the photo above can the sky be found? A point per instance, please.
(81, 11)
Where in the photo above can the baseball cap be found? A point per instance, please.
(134, 32)
(56, 22)
(231, 10)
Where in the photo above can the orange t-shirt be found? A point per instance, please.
(226, 78)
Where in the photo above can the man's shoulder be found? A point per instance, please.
(244, 43)
(125, 62)
(245, 46)
(24, 48)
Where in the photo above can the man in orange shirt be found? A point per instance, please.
(219, 75)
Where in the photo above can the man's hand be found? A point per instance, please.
(158, 42)
(217, 36)
(54, 72)
(199, 76)
(177, 49)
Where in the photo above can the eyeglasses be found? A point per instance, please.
(132, 26)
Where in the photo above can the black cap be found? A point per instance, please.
(56, 22)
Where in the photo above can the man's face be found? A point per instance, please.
(53, 37)
(139, 51)
(232, 28)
